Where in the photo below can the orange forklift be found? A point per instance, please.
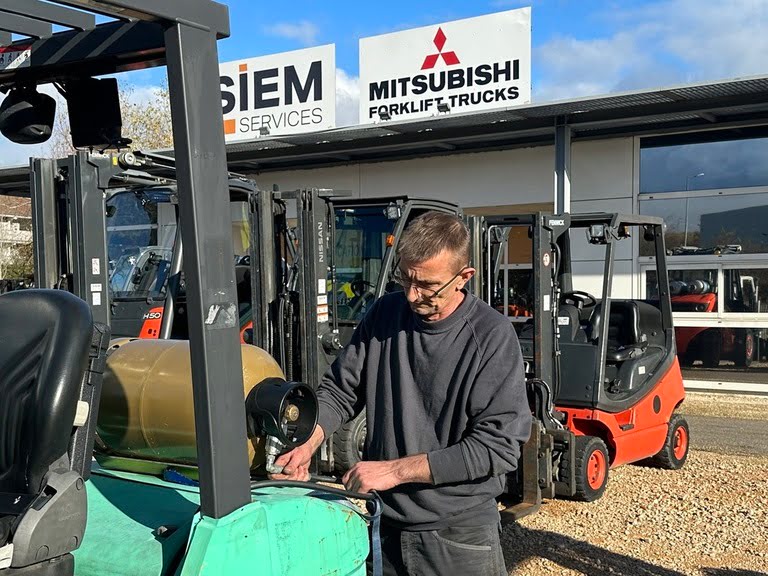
(603, 376)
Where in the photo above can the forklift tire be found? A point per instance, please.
(745, 351)
(675, 451)
(592, 464)
(713, 349)
(348, 444)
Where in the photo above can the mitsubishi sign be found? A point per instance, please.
(285, 93)
(461, 66)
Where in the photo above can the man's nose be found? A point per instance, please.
(411, 294)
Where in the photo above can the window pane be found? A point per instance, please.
(519, 289)
(727, 224)
(746, 290)
(361, 242)
(141, 226)
(704, 166)
(690, 290)
(723, 354)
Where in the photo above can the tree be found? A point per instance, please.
(17, 261)
(146, 114)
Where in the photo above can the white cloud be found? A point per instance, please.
(347, 98)
(662, 43)
(304, 31)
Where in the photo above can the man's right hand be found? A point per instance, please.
(295, 462)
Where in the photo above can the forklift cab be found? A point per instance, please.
(597, 351)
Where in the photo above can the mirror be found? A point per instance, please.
(27, 116)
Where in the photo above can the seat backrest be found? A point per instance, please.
(623, 323)
(45, 336)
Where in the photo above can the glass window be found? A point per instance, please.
(690, 290)
(519, 289)
(723, 354)
(361, 242)
(704, 166)
(746, 290)
(141, 226)
(707, 225)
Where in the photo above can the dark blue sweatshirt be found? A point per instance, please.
(453, 389)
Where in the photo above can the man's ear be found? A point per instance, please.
(466, 275)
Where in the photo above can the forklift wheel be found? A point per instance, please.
(348, 443)
(675, 451)
(592, 464)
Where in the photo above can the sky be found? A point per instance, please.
(579, 47)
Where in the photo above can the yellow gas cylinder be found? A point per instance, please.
(146, 416)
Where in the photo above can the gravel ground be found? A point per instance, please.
(708, 519)
(726, 405)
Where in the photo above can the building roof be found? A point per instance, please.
(727, 104)
(15, 207)
(676, 108)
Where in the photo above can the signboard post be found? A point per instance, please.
(286, 93)
(466, 65)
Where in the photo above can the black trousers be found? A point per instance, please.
(469, 551)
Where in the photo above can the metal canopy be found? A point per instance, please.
(132, 39)
(183, 35)
(719, 104)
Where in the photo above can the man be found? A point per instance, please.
(441, 377)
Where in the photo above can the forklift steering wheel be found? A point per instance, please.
(579, 298)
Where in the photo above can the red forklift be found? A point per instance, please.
(602, 372)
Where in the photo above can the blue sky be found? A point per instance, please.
(580, 47)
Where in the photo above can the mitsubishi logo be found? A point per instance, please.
(449, 57)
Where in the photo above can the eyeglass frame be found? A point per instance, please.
(397, 271)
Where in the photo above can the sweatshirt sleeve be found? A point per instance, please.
(500, 418)
(341, 394)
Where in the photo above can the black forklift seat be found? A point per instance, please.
(46, 342)
(625, 338)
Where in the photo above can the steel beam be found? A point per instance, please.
(203, 14)
(198, 135)
(48, 12)
(562, 168)
(106, 49)
(24, 26)
(45, 218)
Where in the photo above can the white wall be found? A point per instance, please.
(471, 180)
(602, 175)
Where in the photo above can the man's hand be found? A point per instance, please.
(295, 462)
(366, 476)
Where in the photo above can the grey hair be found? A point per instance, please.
(432, 233)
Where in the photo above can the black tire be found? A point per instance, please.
(713, 349)
(674, 453)
(592, 466)
(348, 444)
(745, 351)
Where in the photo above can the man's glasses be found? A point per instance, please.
(423, 291)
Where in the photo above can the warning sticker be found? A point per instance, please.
(13, 57)
(546, 259)
(322, 299)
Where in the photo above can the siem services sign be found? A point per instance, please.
(461, 66)
(286, 93)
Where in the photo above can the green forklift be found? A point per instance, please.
(183, 424)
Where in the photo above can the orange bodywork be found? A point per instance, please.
(640, 431)
(153, 320)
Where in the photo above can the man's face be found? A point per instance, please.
(433, 287)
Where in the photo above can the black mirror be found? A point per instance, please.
(248, 336)
(27, 116)
(648, 234)
(94, 113)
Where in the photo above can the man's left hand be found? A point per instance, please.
(366, 476)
